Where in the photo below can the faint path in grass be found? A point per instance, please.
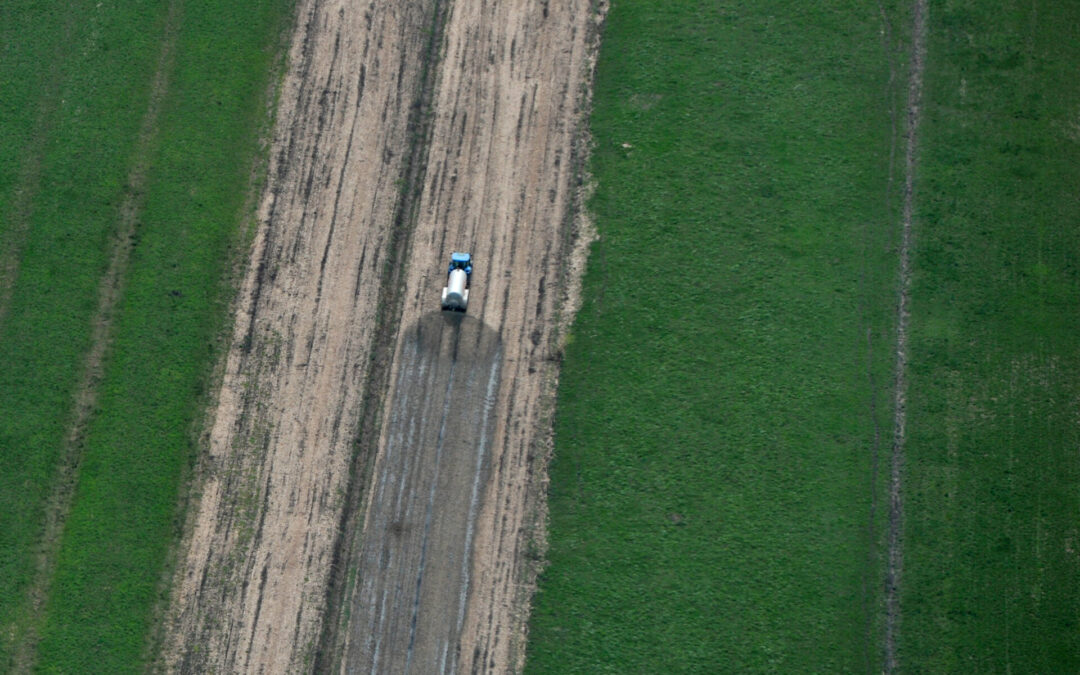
(17, 215)
(896, 497)
(111, 289)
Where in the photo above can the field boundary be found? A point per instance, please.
(896, 496)
(59, 502)
(579, 234)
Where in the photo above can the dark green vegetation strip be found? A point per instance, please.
(140, 440)
(123, 519)
(715, 500)
(992, 564)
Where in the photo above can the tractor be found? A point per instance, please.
(455, 297)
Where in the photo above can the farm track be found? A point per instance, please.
(404, 132)
(894, 567)
(499, 182)
(110, 291)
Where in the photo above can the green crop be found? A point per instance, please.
(992, 571)
(715, 500)
(164, 339)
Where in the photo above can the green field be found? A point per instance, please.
(90, 100)
(992, 567)
(139, 440)
(718, 490)
(724, 416)
(725, 392)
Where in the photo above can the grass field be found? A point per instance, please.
(717, 491)
(90, 104)
(713, 487)
(714, 491)
(139, 440)
(992, 571)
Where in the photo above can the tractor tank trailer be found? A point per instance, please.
(455, 296)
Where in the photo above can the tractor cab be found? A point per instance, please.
(461, 261)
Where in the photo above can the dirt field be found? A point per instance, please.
(405, 131)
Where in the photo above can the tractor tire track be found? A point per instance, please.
(872, 619)
(895, 565)
(110, 291)
(438, 441)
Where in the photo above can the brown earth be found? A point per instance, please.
(499, 181)
(404, 132)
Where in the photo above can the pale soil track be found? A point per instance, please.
(387, 152)
(250, 585)
(895, 566)
(499, 182)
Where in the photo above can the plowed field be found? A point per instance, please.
(355, 424)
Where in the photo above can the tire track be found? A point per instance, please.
(109, 293)
(896, 496)
(872, 650)
(420, 519)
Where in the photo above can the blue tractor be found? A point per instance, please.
(455, 297)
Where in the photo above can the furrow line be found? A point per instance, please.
(29, 182)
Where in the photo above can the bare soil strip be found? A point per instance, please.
(109, 293)
(377, 382)
(896, 497)
(250, 589)
(376, 175)
(500, 183)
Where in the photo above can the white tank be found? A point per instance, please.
(455, 295)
